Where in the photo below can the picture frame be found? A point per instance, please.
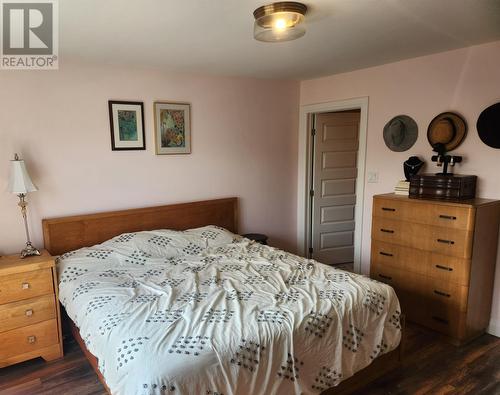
(172, 127)
(126, 120)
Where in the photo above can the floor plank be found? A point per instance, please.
(430, 366)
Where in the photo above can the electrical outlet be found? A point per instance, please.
(373, 177)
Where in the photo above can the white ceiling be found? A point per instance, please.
(216, 36)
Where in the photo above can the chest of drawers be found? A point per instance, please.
(440, 258)
(29, 309)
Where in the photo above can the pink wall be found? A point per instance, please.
(243, 144)
(465, 80)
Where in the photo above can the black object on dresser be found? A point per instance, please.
(258, 237)
(434, 186)
(412, 166)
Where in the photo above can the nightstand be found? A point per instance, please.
(30, 320)
(258, 237)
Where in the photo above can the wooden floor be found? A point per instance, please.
(431, 366)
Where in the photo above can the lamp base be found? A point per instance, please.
(29, 251)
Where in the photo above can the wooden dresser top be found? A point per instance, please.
(14, 264)
(461, 203)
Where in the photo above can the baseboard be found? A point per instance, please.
(494, 329)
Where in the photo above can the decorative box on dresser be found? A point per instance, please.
(30, 321)
(440, 258)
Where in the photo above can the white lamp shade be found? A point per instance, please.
(20, 181)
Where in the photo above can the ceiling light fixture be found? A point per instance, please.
(282, 21)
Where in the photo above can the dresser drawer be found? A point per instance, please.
(445, 321)
(437, 266)
(445, 241)
(425, 213)
(402, 283)
(419, 294)
(448, 296)
(27, 312)
(28, 339)
(25, 285)
(386, 274)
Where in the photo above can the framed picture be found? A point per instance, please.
(126, 119)
(172, 128)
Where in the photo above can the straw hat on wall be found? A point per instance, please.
(449, 129)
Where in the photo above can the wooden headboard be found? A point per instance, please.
(70, 233)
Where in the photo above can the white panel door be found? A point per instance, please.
(334, 185)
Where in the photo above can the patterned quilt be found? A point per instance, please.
(207, 312)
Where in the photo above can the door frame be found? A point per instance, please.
(303, 181)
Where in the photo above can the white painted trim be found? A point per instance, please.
(494, 329)
(302, 182)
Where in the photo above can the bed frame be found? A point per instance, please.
(65, 234)
(70, 233)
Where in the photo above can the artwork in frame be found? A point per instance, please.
(127, 125)
(172, 128)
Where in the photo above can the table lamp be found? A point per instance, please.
(20, 183)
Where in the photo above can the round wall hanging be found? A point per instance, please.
(448, 129)
(488, 126)
(400, 133)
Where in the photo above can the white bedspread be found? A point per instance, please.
(206, 312)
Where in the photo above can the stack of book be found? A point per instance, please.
(402, 188)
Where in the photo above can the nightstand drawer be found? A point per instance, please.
(26, 285)
(27, 312)
(425, 213)
(28, 339)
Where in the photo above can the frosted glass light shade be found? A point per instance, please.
(283, 21)
(20, 180)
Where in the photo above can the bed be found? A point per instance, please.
(170, 300)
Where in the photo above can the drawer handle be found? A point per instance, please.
(445, 241)
(31, 339)
(385, 277)
(25, 286)
(28, 313)
(440, 320)
(450, 217)
(444, 268)
(386, 230)
(385, 253)
(388, 209)
(441, 293)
